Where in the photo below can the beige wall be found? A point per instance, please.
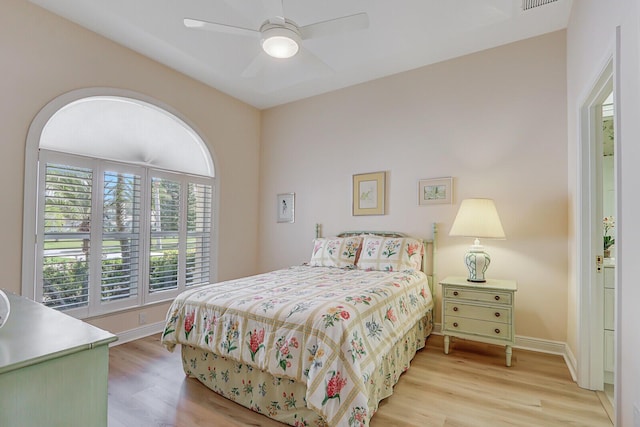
(43, 56)
(495, 121)
(628, 253)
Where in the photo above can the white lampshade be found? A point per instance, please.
(280, 42)
(477, 218)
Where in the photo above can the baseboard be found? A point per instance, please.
(608, 377)
(139, 332)
(437, 329)
(571, 362)
(539, 345)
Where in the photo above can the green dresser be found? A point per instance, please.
(53, 368)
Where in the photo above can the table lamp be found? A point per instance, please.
(477, 218)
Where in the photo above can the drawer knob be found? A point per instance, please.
(497, 331)
(455, 308)
(455, 293)
(497, 314)
(455, 324)
(497, 297)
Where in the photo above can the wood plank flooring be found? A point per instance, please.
(469, 387)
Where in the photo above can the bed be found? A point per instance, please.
(317, 344)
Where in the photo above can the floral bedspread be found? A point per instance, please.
(325, 327)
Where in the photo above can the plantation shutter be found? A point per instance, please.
(120, 236)
(164, 234)
(198, 234)
(112, 236)
(65, 234)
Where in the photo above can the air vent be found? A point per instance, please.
(530, 4)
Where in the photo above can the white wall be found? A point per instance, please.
(590, 42)
(628, 299)
(43, 56)
(495, 121)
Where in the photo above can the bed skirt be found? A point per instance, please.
(283, 399)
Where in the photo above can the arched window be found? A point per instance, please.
(122, 208)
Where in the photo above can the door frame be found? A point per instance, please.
(590, 369)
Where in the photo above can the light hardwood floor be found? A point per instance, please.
(469, 387)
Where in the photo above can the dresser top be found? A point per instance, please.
(34, 333)
(504, 285)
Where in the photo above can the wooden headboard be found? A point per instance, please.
(430, 247)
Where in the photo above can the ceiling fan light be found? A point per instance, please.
(280, 42)
(280, 47)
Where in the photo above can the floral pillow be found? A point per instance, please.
(335, 252)
(391, 254)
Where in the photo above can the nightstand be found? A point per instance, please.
(479, 311)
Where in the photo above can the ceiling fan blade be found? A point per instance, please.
(311, 60)
(267, 74)
(220, 28)
(255, 66)
(274, 8)
(251, 8)
(359, 21)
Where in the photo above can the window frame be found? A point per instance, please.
(31, 195)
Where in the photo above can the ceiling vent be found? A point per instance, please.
(530, 4)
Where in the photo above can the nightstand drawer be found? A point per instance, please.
(483, 328)
(488, 295)
(491, 314)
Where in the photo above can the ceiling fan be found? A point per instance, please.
(281, 37)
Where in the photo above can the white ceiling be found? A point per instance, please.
(402, 35)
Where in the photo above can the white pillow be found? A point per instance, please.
(335, 251)
(391, 254)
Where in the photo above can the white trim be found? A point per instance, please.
(437, 329)
(139, 332)
(589, 283)
(609, 377)
(540, 345)
(571, 362)
(617, 371)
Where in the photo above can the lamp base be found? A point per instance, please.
(477, 261)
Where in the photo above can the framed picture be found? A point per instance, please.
(368, 193)
(286, 207)
(435, 191)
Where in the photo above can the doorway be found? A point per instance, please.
(608, 239)
(596, 251)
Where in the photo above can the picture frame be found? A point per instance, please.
(285, 205)
(369, 193)
(435, 191)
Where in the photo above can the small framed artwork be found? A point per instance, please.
(286, 207)
(435, 191)
(368, 193)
